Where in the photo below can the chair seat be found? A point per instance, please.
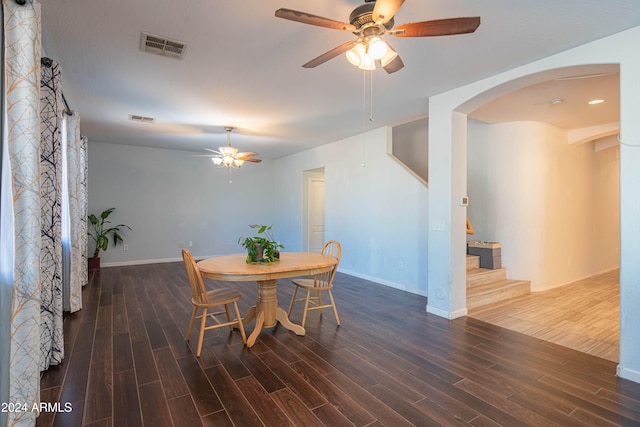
(223, 296)
(310, 284)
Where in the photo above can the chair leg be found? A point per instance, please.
(293, 299)
(240, 325)
(306, 307)
(226, 310)
(320, 302)
(193, 319)
(333, 304)
(203, 324)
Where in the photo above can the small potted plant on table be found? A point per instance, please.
(261, 248)
(100, 231)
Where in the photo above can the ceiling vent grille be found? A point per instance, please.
(162, 46)
(141, 119)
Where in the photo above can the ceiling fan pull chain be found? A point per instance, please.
(364, 99)
(364, 114)
(371, 97)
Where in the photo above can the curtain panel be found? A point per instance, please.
(51, 110)
(78, 276)
(21, 140)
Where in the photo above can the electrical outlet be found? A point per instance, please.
(125, 247)
(437, 226)
(190, 244)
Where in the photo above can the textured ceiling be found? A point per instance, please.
(242, 68)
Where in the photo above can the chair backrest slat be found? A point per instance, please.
(198, 290)
(333, 249)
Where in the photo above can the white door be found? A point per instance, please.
(316, 214)
(313, 210)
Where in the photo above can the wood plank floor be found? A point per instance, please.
(583, 315)
(389, 364)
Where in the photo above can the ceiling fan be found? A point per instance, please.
(370, 22)
(229, 156)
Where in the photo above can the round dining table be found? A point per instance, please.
(234, 268)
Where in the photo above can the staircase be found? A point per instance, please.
(485, 286)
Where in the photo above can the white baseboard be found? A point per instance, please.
(628, 374)
(447, 314)
(150, 261)
(394, 285)
(138, 262)
(548, 288)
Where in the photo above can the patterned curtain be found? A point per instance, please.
(78, 276)
(21, 143)
(51, 110)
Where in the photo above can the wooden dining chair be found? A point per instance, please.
(205, 300)
(317, 284)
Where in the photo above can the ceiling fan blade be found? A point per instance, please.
(307, 18)
(329, 55)
(247, 154)
(204, 155)
(213, 151)
(384, 10)
(249, 159)
(438, 27)
(394, 65)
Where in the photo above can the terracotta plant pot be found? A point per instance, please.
(94, 263)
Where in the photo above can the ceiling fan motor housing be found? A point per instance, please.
(362, 15)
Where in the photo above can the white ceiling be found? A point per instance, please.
(243, 68)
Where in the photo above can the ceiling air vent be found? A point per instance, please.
(141, 119)
(162, 46)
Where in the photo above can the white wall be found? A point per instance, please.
(170, 197)
(552, 205)
(377, 212)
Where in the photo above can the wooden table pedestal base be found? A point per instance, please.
(267, 313)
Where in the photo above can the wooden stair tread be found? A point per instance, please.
(473, 261)
(495, 292)
(482, 276)
(493, 286)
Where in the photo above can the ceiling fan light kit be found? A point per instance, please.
(370, 22)
(229, 157)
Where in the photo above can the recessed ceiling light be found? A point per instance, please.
(596, 101)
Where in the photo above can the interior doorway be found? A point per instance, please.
(313, 210)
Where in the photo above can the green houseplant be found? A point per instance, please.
(101, 231)
(263, 247)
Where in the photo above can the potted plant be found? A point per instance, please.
(101, 231)
(263, 247)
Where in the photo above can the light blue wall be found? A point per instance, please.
(171, 198)
(377, 212)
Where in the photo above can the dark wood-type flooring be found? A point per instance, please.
(390, 363)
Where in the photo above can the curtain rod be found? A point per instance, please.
(48, 62)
